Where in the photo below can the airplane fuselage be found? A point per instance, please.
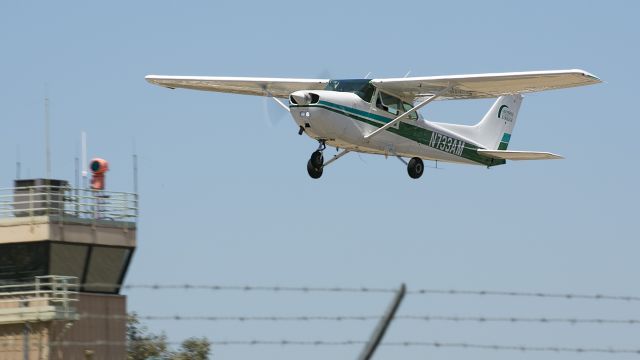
(344, 119)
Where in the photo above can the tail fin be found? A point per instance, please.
(495, 129)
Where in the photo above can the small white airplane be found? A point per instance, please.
(379, 116)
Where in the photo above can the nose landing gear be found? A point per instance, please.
(314, 172)
(316, 162)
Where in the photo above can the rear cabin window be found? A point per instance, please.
(395, 106)
(360, 87)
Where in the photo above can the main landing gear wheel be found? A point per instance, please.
(314, 172)
(415, 168)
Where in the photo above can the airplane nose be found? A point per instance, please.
(303, 97)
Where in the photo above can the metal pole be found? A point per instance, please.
(75, 191)
(135, 173)
(18, 164)
(83, 139)
(46, 136)
(25, 345)
(135, 181)
(380, 330)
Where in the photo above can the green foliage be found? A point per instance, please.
(142, 344)
(193, 349)
(145, 345)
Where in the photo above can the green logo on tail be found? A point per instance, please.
(505, 114)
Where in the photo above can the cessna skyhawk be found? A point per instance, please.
(380, 116)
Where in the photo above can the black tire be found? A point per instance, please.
(317, 159)
(415, 168)
(313, 171)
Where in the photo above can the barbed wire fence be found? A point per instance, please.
(479, 319)
(334, 343)
(343, 318)
(311, 289)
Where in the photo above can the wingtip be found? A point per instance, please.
(591, 76)
(150, 78)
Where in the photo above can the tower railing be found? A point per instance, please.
(46, 200)
(48, 297)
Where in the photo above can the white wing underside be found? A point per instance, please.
(518, 155)
(474, 86)
(478, 86)
(278, 87)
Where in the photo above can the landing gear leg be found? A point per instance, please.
(316, 162)
(415, 167)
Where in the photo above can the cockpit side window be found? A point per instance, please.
(407, 107)
(388, 103)
(394, 105)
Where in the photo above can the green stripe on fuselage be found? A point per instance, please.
(409, 131)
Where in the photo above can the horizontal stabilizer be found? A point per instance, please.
(518, 155)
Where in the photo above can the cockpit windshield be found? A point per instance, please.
(360, 87)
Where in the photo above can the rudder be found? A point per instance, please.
(495, 129)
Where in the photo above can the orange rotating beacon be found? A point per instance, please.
(98, 168)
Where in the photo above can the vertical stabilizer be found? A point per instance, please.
(495, 129)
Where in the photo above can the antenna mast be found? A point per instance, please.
(46, 135)
(83, 166)
(18, 163)
(135, 168)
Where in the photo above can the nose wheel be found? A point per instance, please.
(314, 172)
(415, 167)
(316, 162)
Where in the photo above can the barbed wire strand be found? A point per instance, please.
(312, 289)
(427, 318)
(432, 344)
(568, 296)
(304, 289)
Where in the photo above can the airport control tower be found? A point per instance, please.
(64, 253)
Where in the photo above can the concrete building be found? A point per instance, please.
(64, 253)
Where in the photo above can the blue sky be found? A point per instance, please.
(225, 197)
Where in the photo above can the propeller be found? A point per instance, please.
(273, 111)
(276, 109)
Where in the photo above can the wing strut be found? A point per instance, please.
(280, 103)
(277, 100)
(379, 331)
(406, 113)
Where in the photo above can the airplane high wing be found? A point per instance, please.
(478, 86)
(277, 87)
(473, 86)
